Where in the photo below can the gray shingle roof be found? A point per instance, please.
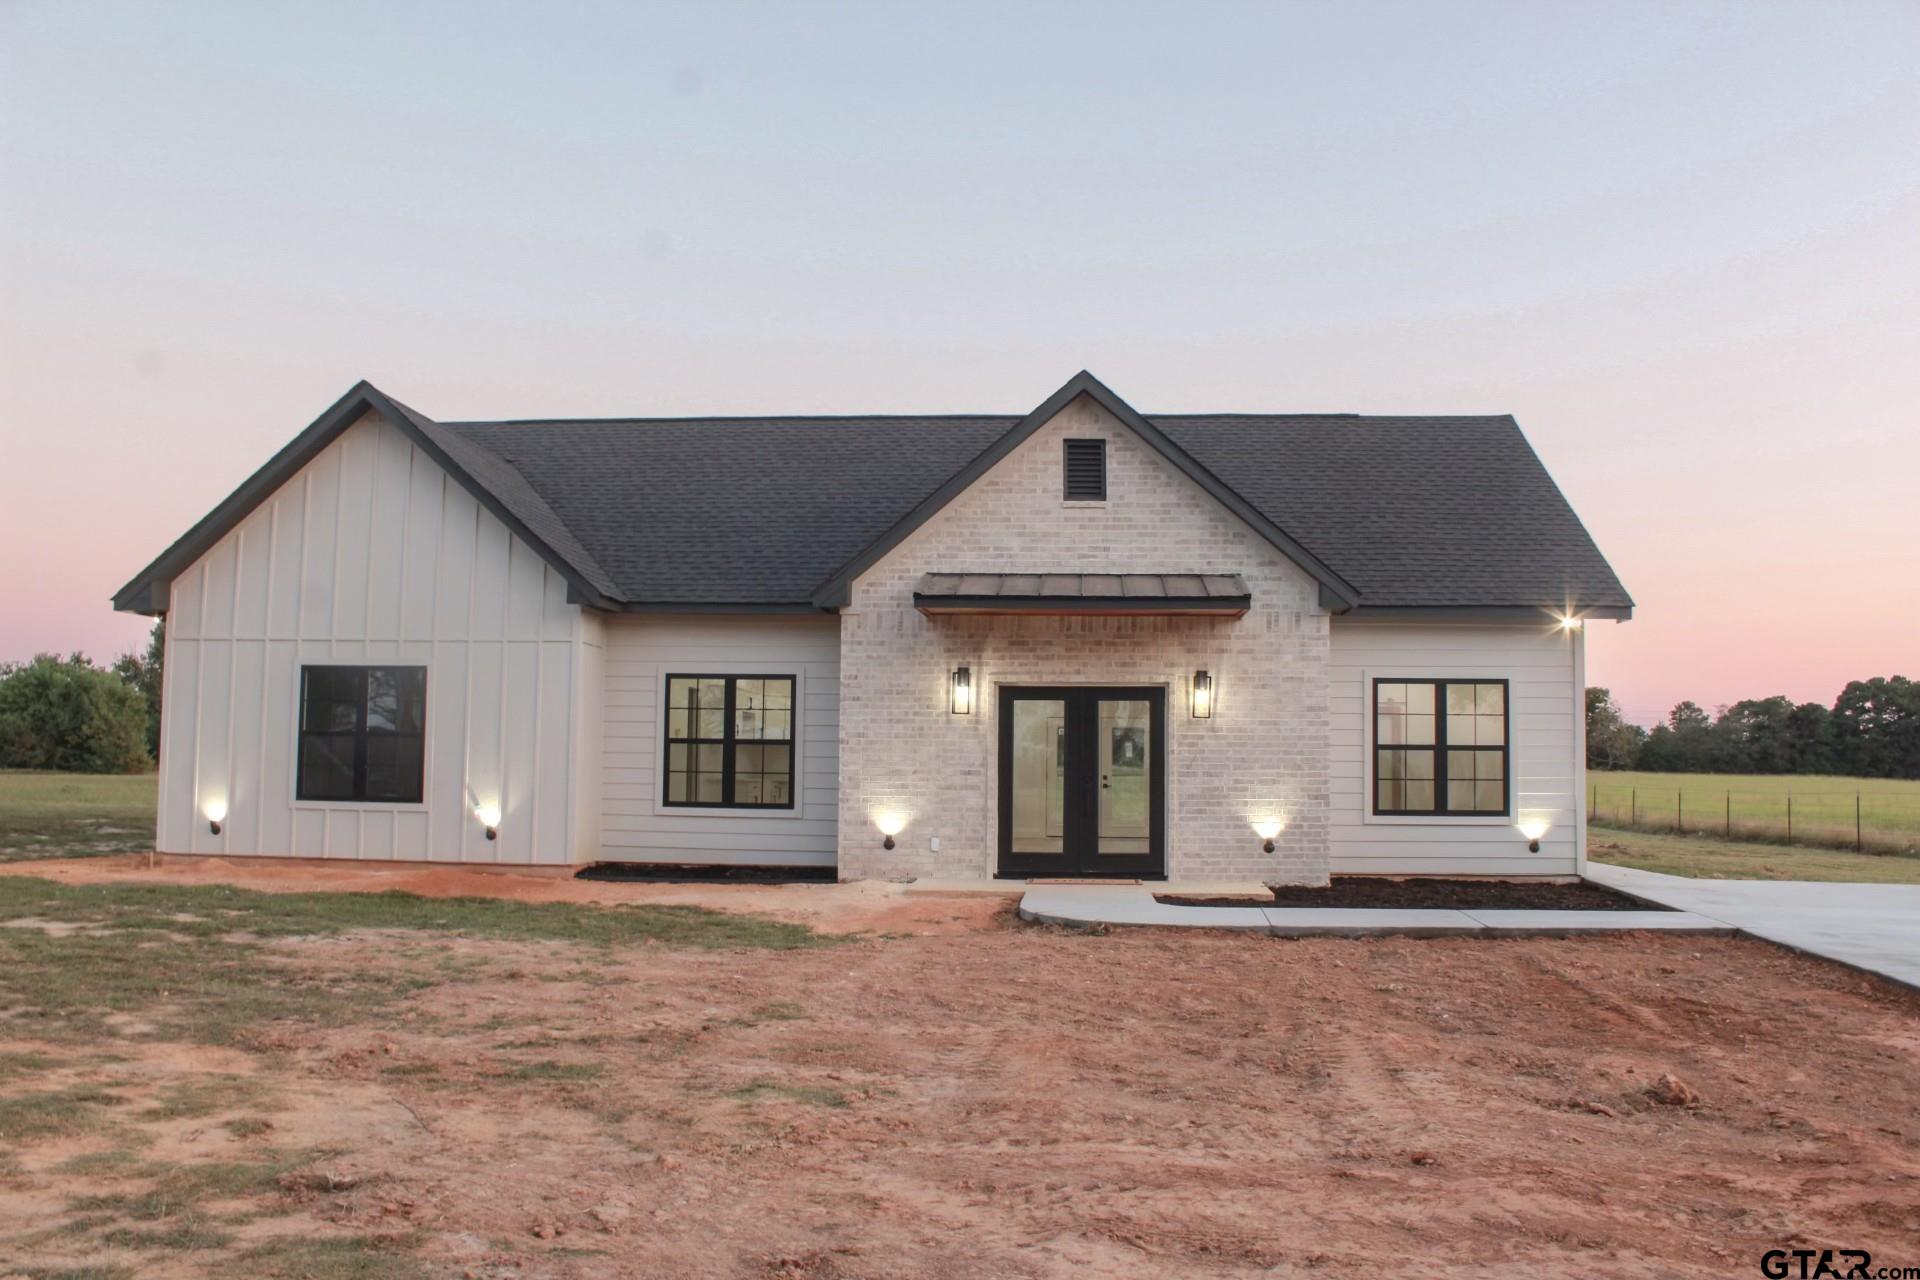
(732, 510)
(1386, 513)
(1413, 511)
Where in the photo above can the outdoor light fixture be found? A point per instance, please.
(216, 811)
(1202, 695)
(1267, 829)
(963, 691)
(1533, 829)
(1569, 623)
(890, 825)
(489, 815)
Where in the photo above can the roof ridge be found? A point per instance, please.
(739, 418)
(770, 419)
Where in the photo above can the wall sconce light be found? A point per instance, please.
(1533, 829)
(1202, 695)
(963, 691)
(1267, 829)
(489, 815)
(216, 811)
(890, 825)
(1569, 623)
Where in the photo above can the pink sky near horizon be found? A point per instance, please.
(1689, 265)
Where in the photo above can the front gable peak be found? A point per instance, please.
(1335, 592)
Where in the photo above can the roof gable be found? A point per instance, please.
(497, 486)
(836, 591)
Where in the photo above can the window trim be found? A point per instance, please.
(1066, 471)
(1371, 713)
(729, 745)
(360, 735)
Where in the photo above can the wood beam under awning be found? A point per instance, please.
(1112, 595)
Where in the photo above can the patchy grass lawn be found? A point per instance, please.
(1707, 858)
(194, 960)
(199, 1081)
(68, 815)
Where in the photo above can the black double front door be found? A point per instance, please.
(1083, 781)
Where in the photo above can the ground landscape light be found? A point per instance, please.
(216, 811)
(1533, 829)
(890, 825)
(489, 815)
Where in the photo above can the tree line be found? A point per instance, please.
(68, 714)
(1872, 730)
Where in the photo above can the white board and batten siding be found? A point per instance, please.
(641, 652)
(1546, 752)
(372, 554)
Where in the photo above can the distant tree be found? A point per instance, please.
(69, 714)
(1876, 727)
(1810, 745)
(1753, 736)
(1612, 743)
(142, 671)
(1684, 744)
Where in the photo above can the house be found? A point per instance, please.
(1079, 642)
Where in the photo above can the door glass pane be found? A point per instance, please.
(1039, 771)
(1126, 776)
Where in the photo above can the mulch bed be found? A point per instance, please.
(1457, 895)
(655, 873)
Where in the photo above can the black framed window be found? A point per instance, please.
(730, 741)
(1084, 464)
(362, 734)
(1440, 747)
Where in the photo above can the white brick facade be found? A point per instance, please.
(1264, 753)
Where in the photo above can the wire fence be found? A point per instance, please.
(1864, 821)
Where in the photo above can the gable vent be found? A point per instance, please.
(1086, 470)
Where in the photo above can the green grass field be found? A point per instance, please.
(1711, 858)
(65, 815)
(1755, 807)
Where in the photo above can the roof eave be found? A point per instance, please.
(1552, 615)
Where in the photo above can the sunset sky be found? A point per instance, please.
(1681, 243)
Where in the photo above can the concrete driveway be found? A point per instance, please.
(1875, 927)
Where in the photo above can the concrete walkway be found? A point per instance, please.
(1874, 927)
(1135, 905)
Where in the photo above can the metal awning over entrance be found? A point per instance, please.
(1219, 595)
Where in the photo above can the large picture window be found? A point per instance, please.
(362, 733)
(730, 741)
(1440, 747)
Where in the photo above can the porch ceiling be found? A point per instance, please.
(1223, 595)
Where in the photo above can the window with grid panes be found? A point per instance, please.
(1440, 747)
(729, 741)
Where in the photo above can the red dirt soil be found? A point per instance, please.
(1026, 1102)
(867, 905)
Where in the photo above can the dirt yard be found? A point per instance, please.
(975, 1099)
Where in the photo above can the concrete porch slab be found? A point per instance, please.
(1101, 904)
(1131, 905)
(1360, 922)
(1517, 924)
(1871, 927)
(965, 888)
